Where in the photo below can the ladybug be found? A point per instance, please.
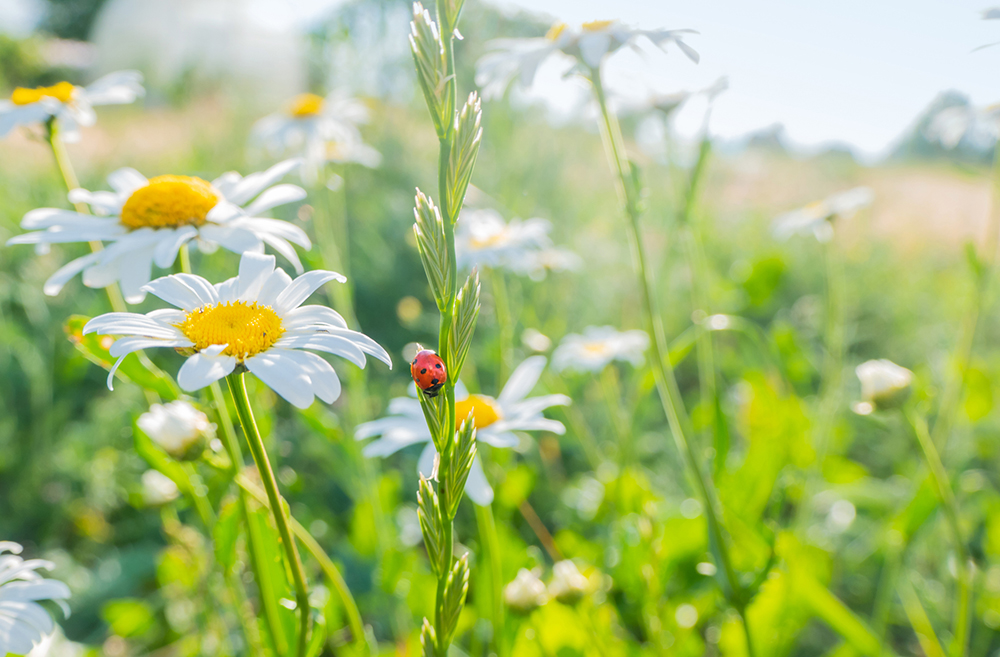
(428, 372)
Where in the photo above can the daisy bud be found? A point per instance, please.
(433, 248)
(464, 151)
(884, 385)
(158, 489)
(526, 593)
(568, 585)
(432, 72)
(179, 428)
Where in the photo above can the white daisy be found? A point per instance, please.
(589, 44)
(525, 592)
(318, 129)
(817, 218)
(496, 421)
(597, 347)
(255, 320)
(146, 222)
(158, 489)
(484, 239)
(884, 384)
(70, 105)
(23, 622)
(178, 427)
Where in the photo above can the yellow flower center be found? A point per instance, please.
(246, 328)
(595, 348)
(486, 241)
(596, 26)
(169, 202)
(555, 31)
(63, 92)
(306, 105)
(485, 410)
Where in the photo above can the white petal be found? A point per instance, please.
(185, 291)
(57, 280)
(237, 240)
(425, 465)
(300, 289)
(282, 375)
(334, 344)
(125, 346)
(255, 270)
(285, 249)
(135, 268)
(325, 383)
(253, 184)
(522, 380)
(203, 369)
(274, 286)
(126, 180)
(171, 242)
(48, 217)
(477, 487)
(275, 196)
(500, 439)
(305, 316)
(102, 203)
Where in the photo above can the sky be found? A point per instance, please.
(847, 71)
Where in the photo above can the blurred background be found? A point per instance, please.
(822, 97)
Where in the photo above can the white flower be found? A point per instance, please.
(589, 44)
(817, 218)
(496, 421)
(70, 105)
(320, 130)
(57, 645)
(23, 622)
(597, 347)
(950, 125)
(526, 592)
(484, 239)
(568, 584)
(884, 384)
(536, 340)
(158, 489)
(146, 222)
(255, 320)
(178, 427)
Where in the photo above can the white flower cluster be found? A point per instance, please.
(485, 240)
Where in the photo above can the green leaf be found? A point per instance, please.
(134, 368)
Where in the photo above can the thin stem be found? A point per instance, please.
(613, 397)
(834, 362)
(960, 639)
(491, 545)
(540, 530)
(238, 389)
(884, 593)
(505, 325)
(663, 373)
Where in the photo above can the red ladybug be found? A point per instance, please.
(428, 372)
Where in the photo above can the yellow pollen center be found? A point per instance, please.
(485, 410)
(63, 92)
(487, 241)
(305, 105)
(595, 348)
(555, 31)
(596, 26)
(247, 328)
(169, 202)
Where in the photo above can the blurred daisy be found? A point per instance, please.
(526, 592)
(178, 427)
(255, 320)
(70, 105)
(817, 218)
(884, 384)
(496, 421)
(949, 126)
(23, 622)
(597, 347)
(589, 44)
(146, 222)
(318, 129)
(484, 239)
(568, 584)
(158, 489)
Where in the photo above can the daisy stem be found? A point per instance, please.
(663, 372)
(491, 543)
(834, 362)
(238, 389)
(963, 571)
(613, 396)
(505, 324)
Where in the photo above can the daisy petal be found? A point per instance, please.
(255, 270)
(275, 196)
(477, 487)
(282, 375)
(126, 180)
(300, 289)
(203, 369)
(522, 380)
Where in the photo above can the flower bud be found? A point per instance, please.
(568, 585)
(179, 428)
(884, 385)
(526, 593)
(158, 489)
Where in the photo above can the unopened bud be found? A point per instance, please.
(179, 428)
(568, 585)
(884, 384)
(526, 593)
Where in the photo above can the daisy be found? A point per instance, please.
(146, 222)
(158, 489)
(70, 105)
(597, 347)
(178, 427)
(254, 321)
(884, 384)
(589, 45)
(817, 218)
(318, 129)
(496, 421)
(23, 622)
(484, 239)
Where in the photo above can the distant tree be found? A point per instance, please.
(916, 144)
(71, 19)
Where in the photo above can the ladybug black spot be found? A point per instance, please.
(437, 365)
(423, 370)
(434, 382)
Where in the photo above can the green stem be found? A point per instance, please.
(491, 545)
(613, 396)
(505, 325)
(834, 362)
(960, 639)
(238, 389)
(663, 373)
(884, 593)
